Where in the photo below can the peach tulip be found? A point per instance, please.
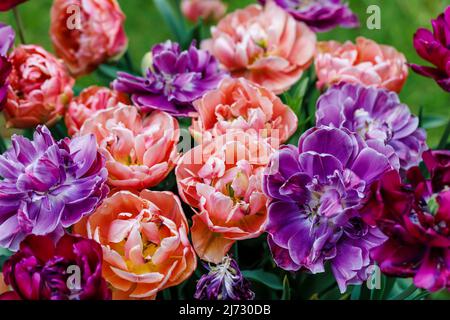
(40, 88)
(222, 181)
(145, 243)
(365, 62)
(208, 10)
(240, 105)
(90, 100)
(87, 33)
(140, 150)
(265, 45)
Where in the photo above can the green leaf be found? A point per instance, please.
(432, 121)
(406, 293)
(173, 20)
(286, 289)
(269, 279)
(108, 71)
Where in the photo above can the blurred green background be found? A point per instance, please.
(399, 18)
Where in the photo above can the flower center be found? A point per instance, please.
(370, 128)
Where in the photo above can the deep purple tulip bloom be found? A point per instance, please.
(224, 281)
(316, 191)
(434, 47)
(6, 5)
(320, 15)
(416, 218)
(378, 116)
(7, 37)
(174, 80)
(42, 270)
(48, 185)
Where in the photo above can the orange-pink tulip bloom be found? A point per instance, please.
(239, 105)
(40, 88)
(140, 150)
(86, 33)
(365, 62)
(265, 45)
(145, 243)
(208, 10)
(91, 100)
(222, 181)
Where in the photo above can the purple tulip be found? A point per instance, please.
(69, 270)
(316, 191)
(174, 80)
(224, 281)
(320, 15)
(435, 48)
(378, 116)
(48, 185)
(7, 37)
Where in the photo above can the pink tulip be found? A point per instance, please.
(40, 88)
(240, 105)
(140, 150)
(85, 41)
(145, 243)
(365, 62)
(223, 182)
(208, 10)
(265, 45)
(90, 100)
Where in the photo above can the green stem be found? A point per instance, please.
(129, 61)
(236, 251)
(445, 136)
(20, 28)
(3, 146)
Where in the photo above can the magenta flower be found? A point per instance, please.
(416, 218)
(320, 16)
(6, 5)
(7, 37)
(435, 48)
(224, 281)
(174, 80)
(378, 116)
(42, 270)
(47, 186)
(316, 193)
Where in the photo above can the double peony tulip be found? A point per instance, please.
(435, 48)
(208, 10)
(378, 116)
(40, 88)
(145, 242)
(90, 100)
(140, 150)
(222, 181)
(85, 41)
(265, 45)
(47, 186)
(42, 270)
(239, 105)
(365, 62)
(316, 191)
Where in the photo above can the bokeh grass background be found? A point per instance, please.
(399, 20)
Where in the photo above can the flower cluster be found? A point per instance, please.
(230, 152)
